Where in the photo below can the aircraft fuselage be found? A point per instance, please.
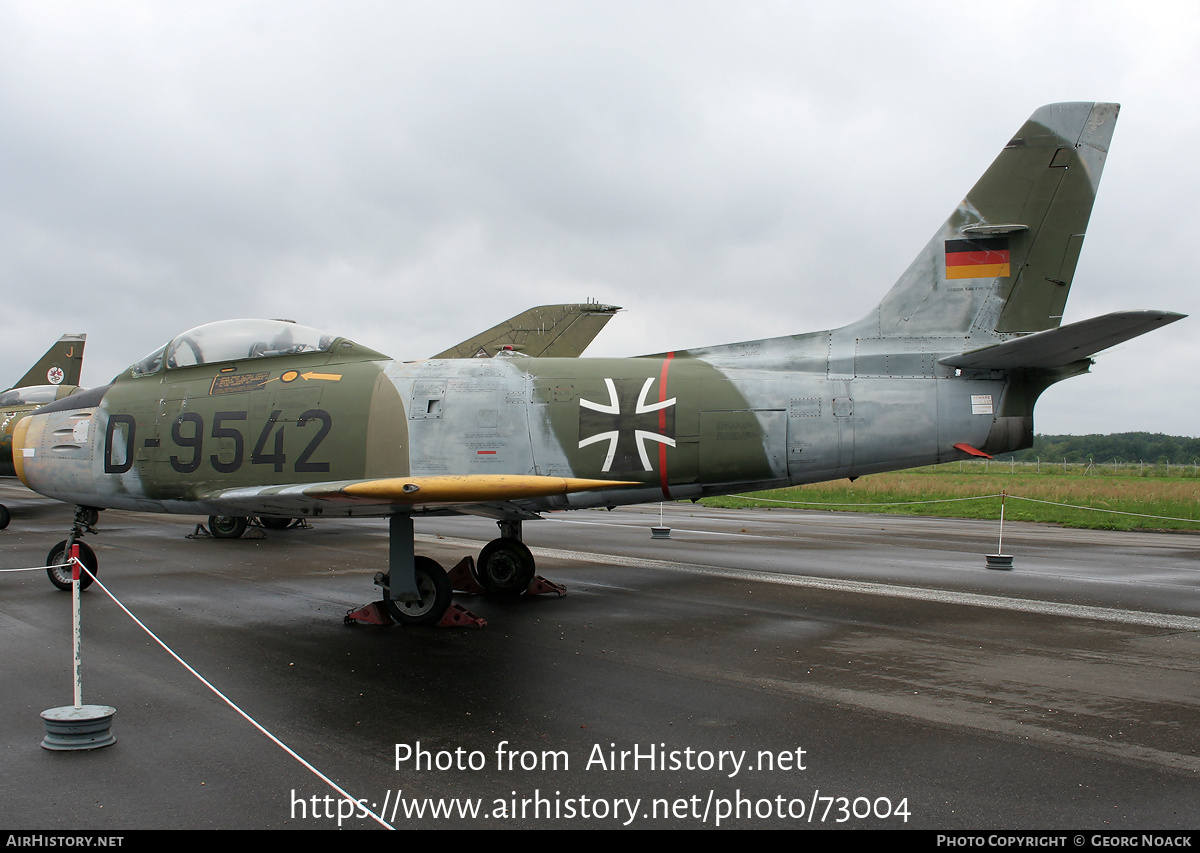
(681, 427)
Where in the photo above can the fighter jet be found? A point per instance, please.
(272, 419)
(54, 376)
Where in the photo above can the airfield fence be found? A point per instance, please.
(1085, 468)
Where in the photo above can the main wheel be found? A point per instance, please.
(505, 567)
(4, 516)
(60, 576)
(276, 523)
(435, 591)
(227, 526)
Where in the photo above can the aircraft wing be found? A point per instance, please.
(548, 331)
(1064, 345)
(469, 493)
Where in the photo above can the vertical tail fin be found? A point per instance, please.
(61, 365)
(1004, 260)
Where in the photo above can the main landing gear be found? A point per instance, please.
(227, 526)
(233, 526)
(434, 594)
(417, 591)
(505, 566)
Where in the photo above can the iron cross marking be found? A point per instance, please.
(627, 422)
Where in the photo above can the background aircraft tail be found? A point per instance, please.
(61, 365)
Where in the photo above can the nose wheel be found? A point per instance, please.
(60, 575)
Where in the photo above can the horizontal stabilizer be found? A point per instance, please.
(1064, 345)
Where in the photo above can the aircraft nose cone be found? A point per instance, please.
(19, 449)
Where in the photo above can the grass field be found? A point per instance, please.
(941, 490)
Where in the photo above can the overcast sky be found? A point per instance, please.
(408, 174)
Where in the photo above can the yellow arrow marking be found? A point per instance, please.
(333, 377)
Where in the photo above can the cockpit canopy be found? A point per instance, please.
(30, 395)
(234, 340)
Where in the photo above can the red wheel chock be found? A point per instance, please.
(462, 578)
(540, 586)
(376, 613)
(458, 616)
(370, 614)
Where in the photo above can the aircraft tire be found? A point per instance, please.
(61, 577)
(436, 593)
(276, 523)
(227, 526)
(505, 567)
(5, 517)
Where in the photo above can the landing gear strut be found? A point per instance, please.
(418, 592)
(433, 587)
(417, 589)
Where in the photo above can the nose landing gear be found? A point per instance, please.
(60, 574)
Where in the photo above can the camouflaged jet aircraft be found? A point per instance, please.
(266, 418)
(54, 376)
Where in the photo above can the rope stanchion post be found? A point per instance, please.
(76, 627)
(78, 726)
(1000, 560)
(158, 640)
(662, 531)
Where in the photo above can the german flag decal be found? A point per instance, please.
(983, 258)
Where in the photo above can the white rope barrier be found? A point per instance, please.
(864, 503)
(975, 498)
(39, 568)
(1115, 511)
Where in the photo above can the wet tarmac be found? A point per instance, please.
(756, 670)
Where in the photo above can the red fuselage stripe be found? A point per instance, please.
(662, 425)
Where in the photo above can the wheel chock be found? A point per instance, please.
(376, 613)
(370, 614)
(202, 532)
(540, 586)
(462, 578)
(459, 617)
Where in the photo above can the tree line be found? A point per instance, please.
(1128, 447)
